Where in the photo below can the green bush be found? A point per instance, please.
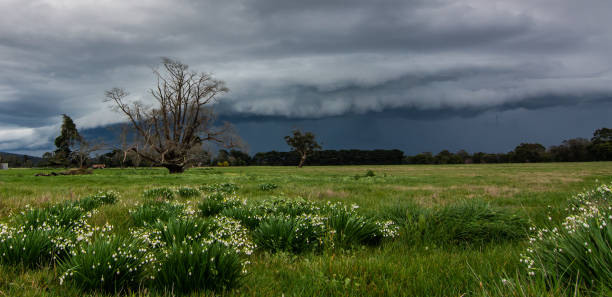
(186, 192)
(193, 267)
(111, 265)
(28, 247)
(159, 193)
(154, 211)
(370, 173)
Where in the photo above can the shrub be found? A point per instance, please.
(370, 173)
(28, 247)
(159, 193)
(185, 192)
(292, 234)
(154, 211)
(111, 265)
(191, 267)
(268, 187)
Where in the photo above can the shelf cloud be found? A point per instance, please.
(297, 60)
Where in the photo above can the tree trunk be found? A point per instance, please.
(175, 168)
(302, 160)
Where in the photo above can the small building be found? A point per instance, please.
(3, 166)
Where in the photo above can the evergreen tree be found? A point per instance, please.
(69, 136)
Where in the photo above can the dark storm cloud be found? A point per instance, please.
(303, 59)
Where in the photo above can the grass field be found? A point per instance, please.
(397, 267)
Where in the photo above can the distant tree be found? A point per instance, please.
(239, 158)
(303, 144)
(601, 144)
(443, 157)
(65, 142)
(572, 150)
(182, 120)
(529, 152)
(423, 158)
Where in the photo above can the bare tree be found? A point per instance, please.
(182, 120)
(83, 149)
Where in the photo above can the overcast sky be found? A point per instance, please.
(423, 75)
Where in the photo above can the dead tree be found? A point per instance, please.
(182, 119)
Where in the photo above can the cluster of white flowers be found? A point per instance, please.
(591, 208)
(232, 234)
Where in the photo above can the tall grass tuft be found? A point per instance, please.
(193, 267)
(224, 188)
(154, 211)
(215, 203)
(471, 222)
(184, 230)
(349, 229)
(248, 217)
(28, 247)
(159, 194)
(476, 222)
(111, 265)
(94, 201)
(186, 192)
(291, 234)
(581, 248)
(64, 215)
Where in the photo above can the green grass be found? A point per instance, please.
(536, 192)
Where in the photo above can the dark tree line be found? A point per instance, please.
(599, 148)
(331, 157)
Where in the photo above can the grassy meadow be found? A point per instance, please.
(406, 265)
